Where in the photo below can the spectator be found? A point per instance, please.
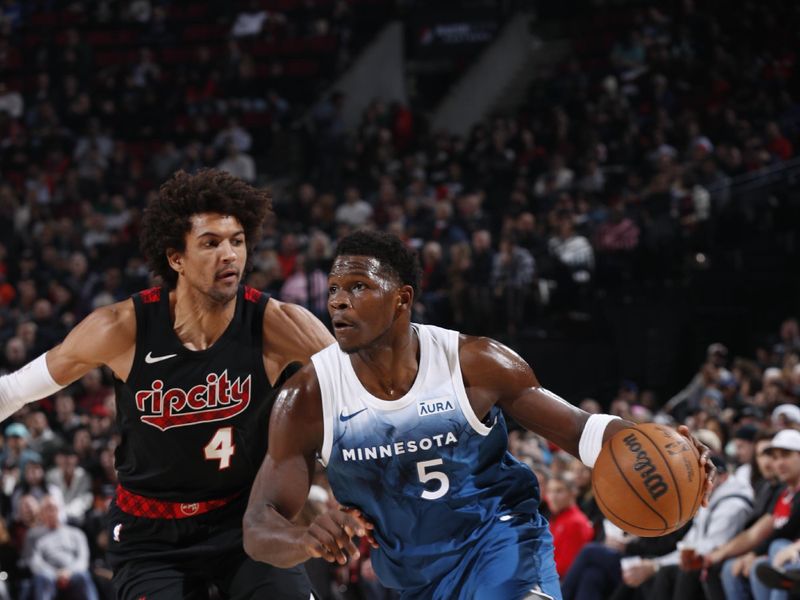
(58, 556)
(571, 528)
(33, 484)
(238, 164)
(74, 483)
(512, 278)
(16, 453)
(675, 575)
(783, 521)
(744, 450)
(355, 212)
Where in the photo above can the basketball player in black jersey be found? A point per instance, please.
(196, 364)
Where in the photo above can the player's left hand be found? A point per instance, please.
(705, 461)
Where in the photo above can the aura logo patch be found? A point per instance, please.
(434, 406)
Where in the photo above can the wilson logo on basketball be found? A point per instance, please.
(654, 482)
(218, 399)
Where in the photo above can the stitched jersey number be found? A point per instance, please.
(221, 447)
(425, 475)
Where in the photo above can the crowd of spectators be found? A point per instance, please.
(616, 174)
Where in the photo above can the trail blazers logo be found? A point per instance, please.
(218, 399)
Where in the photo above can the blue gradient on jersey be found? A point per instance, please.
(455, 546)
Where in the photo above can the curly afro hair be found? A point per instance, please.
(166, 219)
(390, 251)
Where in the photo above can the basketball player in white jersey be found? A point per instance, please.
(408, 420)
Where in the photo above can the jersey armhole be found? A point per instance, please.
(141, 335)
(327, 410)
(458, 385)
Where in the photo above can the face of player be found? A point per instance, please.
(362, 301)
(214, 257)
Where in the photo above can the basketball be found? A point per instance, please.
(648, 480)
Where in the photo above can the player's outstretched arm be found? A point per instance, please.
(107, 336)
(282, 483)
(291, 334)
(495, 374)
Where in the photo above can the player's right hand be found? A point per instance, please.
(330, 536)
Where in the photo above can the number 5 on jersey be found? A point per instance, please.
(221, 447)
(425, 475)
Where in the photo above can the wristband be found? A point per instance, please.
(592, 438)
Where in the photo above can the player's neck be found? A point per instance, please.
(197, 321)
(388, 369)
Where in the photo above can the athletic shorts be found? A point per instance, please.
(172, 559)
(512, 561)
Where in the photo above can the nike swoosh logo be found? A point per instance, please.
(150, 359)
(343, 417)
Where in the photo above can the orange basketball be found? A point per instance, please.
(647, 480)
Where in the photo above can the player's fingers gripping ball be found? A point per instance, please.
(648, 480)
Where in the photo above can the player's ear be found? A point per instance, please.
(405, 298)
(175, 259)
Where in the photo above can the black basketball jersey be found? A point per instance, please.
(193, 423)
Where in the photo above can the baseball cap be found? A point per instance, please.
(719, 463)
(789, 411)
(786, 439)
(746, 432)
(17, 430)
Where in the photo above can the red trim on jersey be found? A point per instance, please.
(151, 295)
(150, 508)
(252, 294)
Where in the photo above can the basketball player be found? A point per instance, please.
(196, 366)
(408, 420)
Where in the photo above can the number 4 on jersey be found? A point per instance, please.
(221, 447)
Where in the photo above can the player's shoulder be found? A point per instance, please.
(486, 360)
(294, 331)
(118, 318)
(277, 312)
(300, 395)
(478, 349)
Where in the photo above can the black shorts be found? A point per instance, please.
(170, 559)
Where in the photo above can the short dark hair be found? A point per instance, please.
(390, 251)
(166, 219)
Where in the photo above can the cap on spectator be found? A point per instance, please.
(785, 439)
(17, 430)
(773, 375)
(752, 411)
(717, 348)
(790, 412)
(709, 438)
(704, 143)
(746, 432)
(719, 463)
(100, 410)
(33, 458)
(715, 395)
